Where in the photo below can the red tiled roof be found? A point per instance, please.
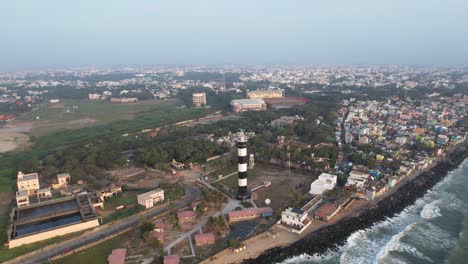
(186, 214)
(325, 210)
(172, 259)
(117, 256)
(201, 239)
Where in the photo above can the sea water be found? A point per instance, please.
(432, 230)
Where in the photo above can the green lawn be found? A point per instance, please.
(126, 198)
(75, 114)
(94, 254)
(5, 183)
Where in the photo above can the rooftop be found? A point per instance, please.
(172, 259)
(147, 195)
(204, 238)
(117, 256)
(325, 210)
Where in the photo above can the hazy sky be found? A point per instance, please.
(37, 33)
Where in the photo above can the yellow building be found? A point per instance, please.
(265, 94)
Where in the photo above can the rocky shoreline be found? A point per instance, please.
(333, 236)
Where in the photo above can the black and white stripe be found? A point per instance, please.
(242, 160)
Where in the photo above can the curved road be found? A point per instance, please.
(191, 194)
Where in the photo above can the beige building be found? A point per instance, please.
(148, 199)
(28, 182)
(265, 94)
(199, 99)
(22, 198)
(242, 105)
(44, 193)
(62, 180)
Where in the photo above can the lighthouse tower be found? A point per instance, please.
(242, 160)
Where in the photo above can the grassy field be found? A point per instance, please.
(73, 114)
(6, 183)
(94, 254)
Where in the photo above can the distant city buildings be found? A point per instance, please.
(124, 100)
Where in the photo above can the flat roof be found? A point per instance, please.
(147, 195)
(63, 175)
(248, 101)
(30, 176)
(325, 210)
(22, 230)
(45, 209)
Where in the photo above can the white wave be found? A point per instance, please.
(395, 244)
(431, 210)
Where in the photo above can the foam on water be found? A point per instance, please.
(431, 210)
(395, 244)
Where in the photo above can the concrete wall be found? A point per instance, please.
(52, 233)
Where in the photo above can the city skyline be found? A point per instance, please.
(56, 34)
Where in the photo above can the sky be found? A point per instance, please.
(56, 33)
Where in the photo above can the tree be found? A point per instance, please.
(152, 241)
(146, 227)
(232, 243)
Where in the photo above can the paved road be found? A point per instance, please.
(192, 194)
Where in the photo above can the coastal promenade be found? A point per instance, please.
(366, 212)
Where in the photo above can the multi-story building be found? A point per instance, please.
(148, 199)
(241, 105)
(28, 182)
(62, 180)
(22, 198)
(199, 99)
(295, 218)
(324, 182)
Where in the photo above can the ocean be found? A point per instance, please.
(432, 230)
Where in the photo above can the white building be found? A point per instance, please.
(94, 96)
(28, 182)
(324, 182)
(148, 199)
(295, 218)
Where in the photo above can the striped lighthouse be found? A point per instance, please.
(242, 160)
